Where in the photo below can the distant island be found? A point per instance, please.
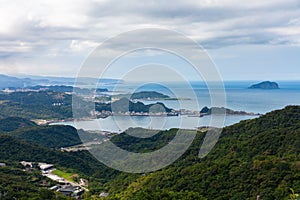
(221, 110)
(146, 95)
(266, 85)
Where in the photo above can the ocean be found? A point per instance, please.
(238, 97)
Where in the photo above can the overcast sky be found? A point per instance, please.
(253, 40)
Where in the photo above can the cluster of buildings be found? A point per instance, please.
(63, 186)
(104, 114)
(68, 190)
(58, 104)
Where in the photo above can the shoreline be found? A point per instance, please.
(161, 123)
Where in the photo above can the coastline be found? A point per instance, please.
(119, 123)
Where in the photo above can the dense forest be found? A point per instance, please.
(36, 105)
(14, 123)
(254, 157)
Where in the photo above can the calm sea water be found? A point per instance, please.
(238, 97)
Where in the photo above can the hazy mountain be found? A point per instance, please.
(21, 81)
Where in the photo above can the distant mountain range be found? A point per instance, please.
(28, 80)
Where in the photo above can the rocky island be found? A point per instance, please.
(266, 85)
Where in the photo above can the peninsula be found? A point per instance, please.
(223, 111)
(125, 106)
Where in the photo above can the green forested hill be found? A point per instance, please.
(49, 136)
(254, 157)
(36, 105)
(14, 123)
(14, 150)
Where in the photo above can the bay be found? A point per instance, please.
(238, 97)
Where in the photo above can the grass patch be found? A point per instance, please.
(63, 174)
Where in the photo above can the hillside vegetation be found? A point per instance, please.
(254, 157)
(14, 123)
(54, 136)
(36, 105)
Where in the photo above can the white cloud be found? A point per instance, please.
(52, 29)
(82, 45)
